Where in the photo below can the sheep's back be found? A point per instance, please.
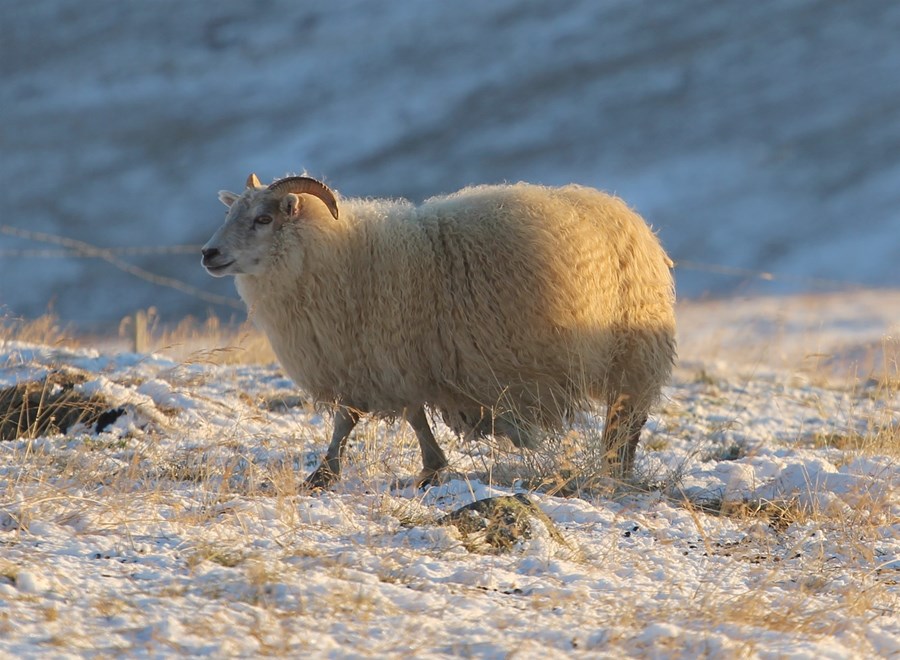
(540, 288)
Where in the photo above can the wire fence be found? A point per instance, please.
(69, 248)
(82, 249)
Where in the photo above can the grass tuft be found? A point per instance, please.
(47, 406)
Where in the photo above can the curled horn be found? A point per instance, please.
(253, 181)
(306, 185)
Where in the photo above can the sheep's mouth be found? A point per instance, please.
(218, 270)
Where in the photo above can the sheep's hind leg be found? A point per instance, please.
(621, 436)
(433, 458)
(329, 470)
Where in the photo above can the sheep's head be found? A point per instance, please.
(254, 219)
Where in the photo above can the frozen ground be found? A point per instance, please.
(766, 523)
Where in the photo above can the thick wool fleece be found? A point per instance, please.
(523, 299)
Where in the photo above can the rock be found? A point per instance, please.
(498, 524)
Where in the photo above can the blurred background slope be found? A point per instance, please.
(763, 136)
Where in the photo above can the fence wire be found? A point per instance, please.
(111, 256)
(746, 273)
(76, 249)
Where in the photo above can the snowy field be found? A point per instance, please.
(764, 522)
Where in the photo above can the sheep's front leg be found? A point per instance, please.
(329, 470)
(433, 458)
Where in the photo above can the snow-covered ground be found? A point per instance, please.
(766, 523)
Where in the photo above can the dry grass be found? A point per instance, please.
(217, 553)
(50, 405)
(8, 571)
(211, 341)
(46, 330)
(190, 340)
(818, 595)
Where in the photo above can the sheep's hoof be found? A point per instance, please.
(429, 477)
(323, 477)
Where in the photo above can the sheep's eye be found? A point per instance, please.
(262, 219)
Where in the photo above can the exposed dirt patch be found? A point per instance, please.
(50, 405)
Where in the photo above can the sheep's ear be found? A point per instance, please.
(227, 198)
(290, 205)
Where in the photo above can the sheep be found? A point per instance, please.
(504, 308)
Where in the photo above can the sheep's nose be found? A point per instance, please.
(209, 253)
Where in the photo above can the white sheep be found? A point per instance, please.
(505, 308)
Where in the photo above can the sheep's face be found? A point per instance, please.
(252, 234)
(247, 240)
